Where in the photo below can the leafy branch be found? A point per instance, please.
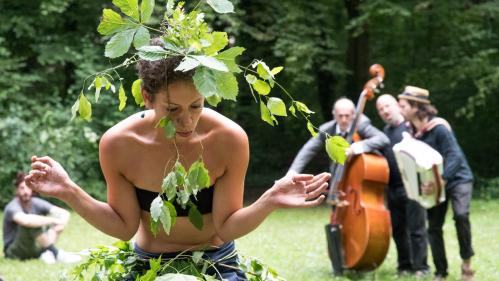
(207, 53)
(113, 263)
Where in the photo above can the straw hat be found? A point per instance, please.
(415, 94)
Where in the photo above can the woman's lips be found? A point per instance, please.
(184, 134)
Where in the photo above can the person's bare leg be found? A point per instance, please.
(467, 272)
(47, 238)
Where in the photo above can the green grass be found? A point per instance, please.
(293, 242)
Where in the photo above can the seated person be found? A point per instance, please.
(32, 225)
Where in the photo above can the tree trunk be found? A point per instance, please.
(357, 54)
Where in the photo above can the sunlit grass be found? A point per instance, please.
(293, 242)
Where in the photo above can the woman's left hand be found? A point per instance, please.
(299, 190)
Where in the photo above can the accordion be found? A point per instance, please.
(421, 169)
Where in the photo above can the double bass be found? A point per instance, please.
(359, 232)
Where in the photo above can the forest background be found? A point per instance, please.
(48, 48)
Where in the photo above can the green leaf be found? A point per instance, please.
(187, 64)
(251, 79)
(220, 40)
(165, 218)
(85, 108)
(195, 217)
(180, 173)
(311, 129)
(205, 82)
(261, 87)
(169, 186)
(119, 43)
(146, 9)
(228, 57)
(136, 93)
(161, 123)
(170, 129)
(276, 70)
(128, 7)
(214, 100)
(156, 206)
(221, 6)
(112, 23)
(196, 256)
(152, 53)
(277, 107)
(336, 149)
(141, 38)
(122, 97)
(265, 114)
(98, 85)
(169, 7)
(176, 277)
(292, 109)
(198, 175)
(263, 71)
(227, 85)
(303, 107)
(75, 108)
(212, 62)
(172, 211)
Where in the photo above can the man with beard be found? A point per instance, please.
(32, 225)
(408, 217)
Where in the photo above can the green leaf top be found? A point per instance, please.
(112, 23)
(128, 7)
(85, 108)
(277, 106)
(119, 43)
(221, 6)
(137, 95)
(146, 9)
(311, 129)
(122, 97)
(169, 186)
(336, 148)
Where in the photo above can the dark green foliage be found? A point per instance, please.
(48, 47)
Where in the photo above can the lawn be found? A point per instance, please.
(293, 242)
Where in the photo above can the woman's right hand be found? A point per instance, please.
(48, 177)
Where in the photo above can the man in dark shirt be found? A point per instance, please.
(416, 108)
(408, 217)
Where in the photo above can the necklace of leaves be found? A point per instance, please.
(180, 185)
(187, 34)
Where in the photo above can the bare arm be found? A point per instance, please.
(119, 217)
(34, 221)
(233, 221)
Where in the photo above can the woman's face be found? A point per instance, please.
(182, 104)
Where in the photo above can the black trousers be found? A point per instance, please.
(409, 230)
(460, 198)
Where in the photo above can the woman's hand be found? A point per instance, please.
(48, 177)
(299, 190)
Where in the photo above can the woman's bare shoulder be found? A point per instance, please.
(224, 130)
(122, 134)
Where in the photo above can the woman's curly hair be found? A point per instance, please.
(157, 75)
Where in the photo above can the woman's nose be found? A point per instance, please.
(184, 120)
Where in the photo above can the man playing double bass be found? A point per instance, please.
(343, 113)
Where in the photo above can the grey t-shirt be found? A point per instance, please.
(38, 207)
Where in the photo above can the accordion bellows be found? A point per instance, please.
(420, 164)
